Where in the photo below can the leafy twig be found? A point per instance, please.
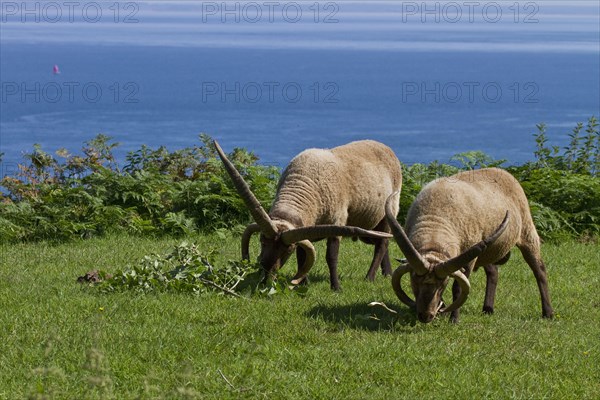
(224, 289)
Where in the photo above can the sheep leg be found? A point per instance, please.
(331, 256)
(301, 258)
(381, 249)
(456, 293)
(381, 255)
(533, 258)
(386, 265)
(491, 276)
(491, 283)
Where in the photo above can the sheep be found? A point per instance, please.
(453, 225)
(324, 194)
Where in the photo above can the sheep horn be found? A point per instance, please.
(465, 287)
(454, 264)
(311, 255)
(258, 213)
(324, 231)
(420, 265)
(396, 284)
(250, 230)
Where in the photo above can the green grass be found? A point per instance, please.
(59, 340)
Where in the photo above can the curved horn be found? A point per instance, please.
(412, 255)
(250, 230)
(454, 264)
(324, 231)
(311, 255)
(396, 284)
(465, 287)
(258, 213)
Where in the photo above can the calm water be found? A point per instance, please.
(428, 89)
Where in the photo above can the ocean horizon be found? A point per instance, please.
(430, 82)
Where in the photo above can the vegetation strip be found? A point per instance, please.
(158, 192)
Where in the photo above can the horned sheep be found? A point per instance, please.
(324, 194)
(459, 223)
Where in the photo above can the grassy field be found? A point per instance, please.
(59, 340)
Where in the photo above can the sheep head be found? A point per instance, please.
(429, 274)
(274, 253)
(275, 250)
(280, 238)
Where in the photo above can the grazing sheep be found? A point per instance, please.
(324, 194)
(456, 223)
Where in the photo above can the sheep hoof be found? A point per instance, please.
(453, 318)
(488, 310)
(549, 315)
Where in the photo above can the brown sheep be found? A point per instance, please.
(325, 194)
(457, 223)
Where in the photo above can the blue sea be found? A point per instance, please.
(430, 79)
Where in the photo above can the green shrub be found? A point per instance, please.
(157, 192)
(563, 185)
(581, 156)
(176, 193)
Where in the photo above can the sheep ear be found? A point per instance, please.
(454, 264)
(326, 231)
(258, 213)
(420, 265)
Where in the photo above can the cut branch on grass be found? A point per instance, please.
(221, 288)
(186, 268)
